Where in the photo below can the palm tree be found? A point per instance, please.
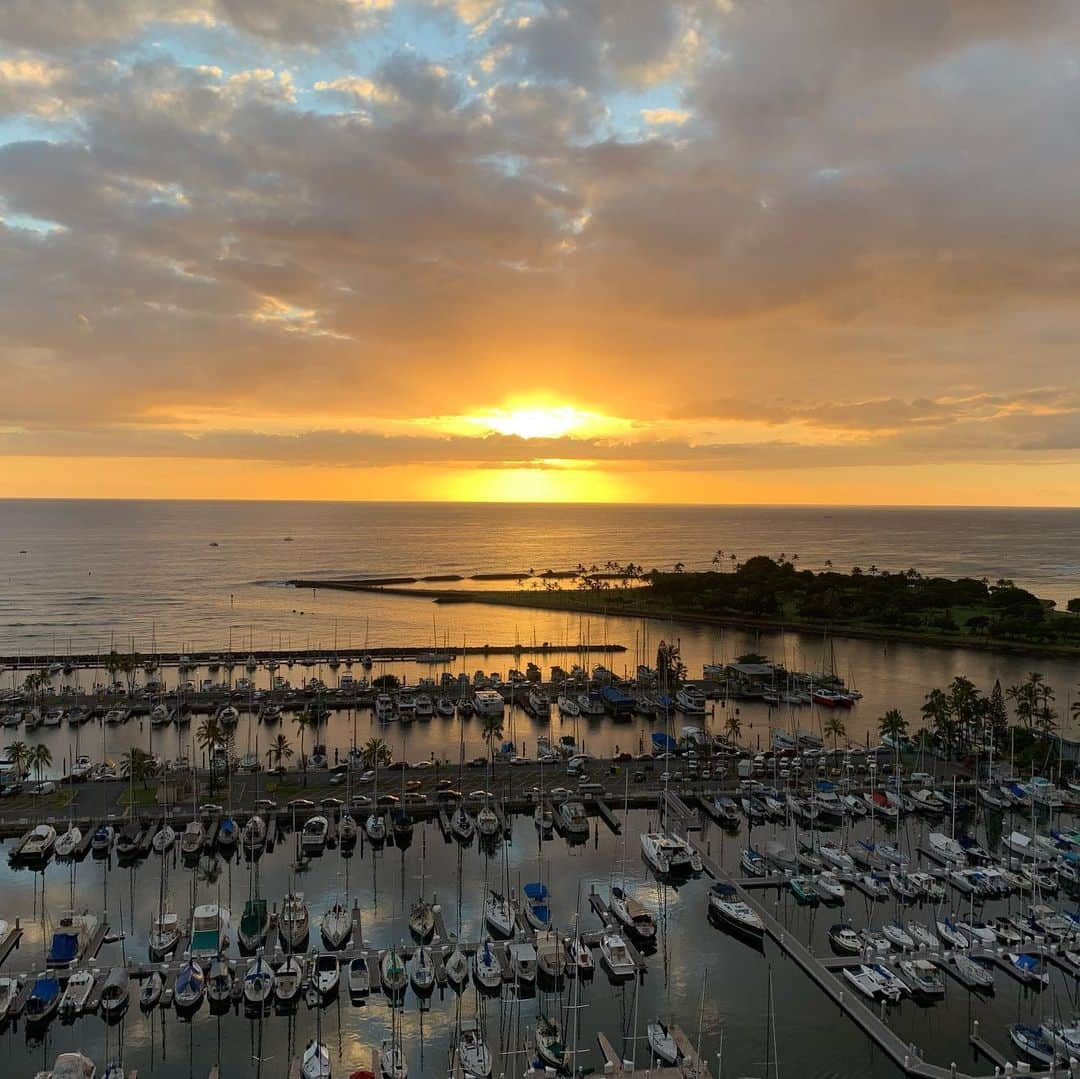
(493, 732)
(938, 712)
(733, 726)
(211, 737)
(38, 759)
(303, 720)
(280, 750)
(893, 725)
(834, 727)
(137, 764)
(17, 753)
(376, 753)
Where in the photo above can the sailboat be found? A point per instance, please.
(336, 926)
(254, 925)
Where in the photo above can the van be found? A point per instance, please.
(590, 788)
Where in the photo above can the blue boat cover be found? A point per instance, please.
(64, 948)
(664, 741)
(536, 890)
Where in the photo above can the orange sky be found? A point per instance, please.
(678, 251)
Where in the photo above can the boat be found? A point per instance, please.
(864, 978)
(1029, 968)
(75, 1066)
(76, 993)
(923, 936)
(499, 914)
(326, 974)
(662, 1044)
(422, 920)
(923, 977)
(803, 890)
(753, 861)
(336, 926)
(358, 977)
(347, 831)
(579, 956)
(375, 827)
(1032, 1043)
(946, 848)
(828, 887)
(892, 988)
(951, 934)
(164, 838)
(568, 707)
(473, 1055)
(115, 994)
(898, 936)
(73, 932)
(537, 910)
(422, 970)
(632, 914)
(316, 1062)
(457, 967)
(38, 846)
(488, 702)
(253, 836)
(219, 982)
(1065, 1039)
(287, 980)
(313, 836)
(392, 1064)
(550, 955)
(294, 922)
(487, 821)
(615, 956)
(972, 973)
(209, 931)
(523, 962)
(844, 940)
(462, 825)
(550, 1047)
(44, 999)
(190, 986)
(68, 843)
(151, 990)
(486, 967)
(254, 925)
(191, 842)
(393, 973)
(572, 819)
(164, 934)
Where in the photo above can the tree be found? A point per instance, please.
(966, 708)
(137, 765)
(38, 759)
(1073, 606)
(997, 714)
(733, 726)
(303, 720)
(18, 753)
(280, 750)
(937, 712)
(376, 753)
(892, 725)
(493, 732)
(835, 728)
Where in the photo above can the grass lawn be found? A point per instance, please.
(138, 797)
(37, 805)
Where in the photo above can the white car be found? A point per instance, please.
(367, 777)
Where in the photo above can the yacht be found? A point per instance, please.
(219, 982)
(68, 842)
(462, 825)
(258, 982)
(164, 838)
(313, 836)
(76, 994)
(336, 926)
(923, 977)
(384, 708)
(73, 932)
(38, 846)
(573, 819)
(488, 702)
(456, 967)
(486, 967)
(375, 826)
(253, 836)
(499, 914)
(487, 823)
(326, 974)
(550, 1047)
(392, 1062)
(616, 957)
(294, 922)
(550, 955)
(43, 1001)
(254, 925)
(725, 904)
(393, 973)
(358, 977)
(522, 962)
(632, 914)
(209, 931)
(191, 842)
(422, 920)
(164, 934)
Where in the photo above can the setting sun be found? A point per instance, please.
(536, 421)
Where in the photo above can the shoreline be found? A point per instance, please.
(548, 602)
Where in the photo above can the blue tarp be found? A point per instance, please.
(825, 785)
(536, 890)
(664, 741)
(64, 948)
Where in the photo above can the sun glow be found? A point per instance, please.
(537, 421)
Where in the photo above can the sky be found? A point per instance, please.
(781, 251)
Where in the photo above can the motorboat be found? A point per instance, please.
(151, 991)
(287, 980)
(864, 978)
(844, 940)
(632, 914)
(164, 838)
(486, 967)
(76, 993)
(473, 1056)
(336, 926)
(572, 819)
(294, 922)
(579, 956)
(326, 974)
(499, 914)
(523, 962)
(164, 934)
(802, 888)
(902, 887)
(190, 985)
(929, 887)
(662, 1044)
(923, 977)
(550, 955)
(422, 970)
(358, 977)
(662, 853)
(253, 836)
(313, 836)
(209, 931)
(316, 1061)
(892, 987)
(393, 973)
(219, 982)
(828, 887)
(753, 862)
(615, 956)
(38, 846)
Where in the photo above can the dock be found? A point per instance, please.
(10, 942)
(690, 1063)
(607, 816)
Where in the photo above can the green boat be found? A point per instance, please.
(804, 892)
(254, 925)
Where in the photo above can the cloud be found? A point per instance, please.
(661, 116)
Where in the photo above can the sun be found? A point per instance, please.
(536, 421)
